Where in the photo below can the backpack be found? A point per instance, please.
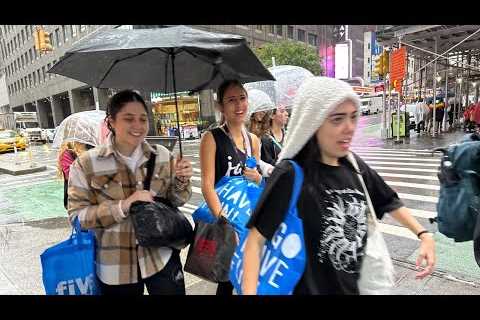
(459, 201)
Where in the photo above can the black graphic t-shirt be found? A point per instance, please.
(228, 161)
(334, 214)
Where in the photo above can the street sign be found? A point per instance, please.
(398, 68)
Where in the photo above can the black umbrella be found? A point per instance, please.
(141, 59)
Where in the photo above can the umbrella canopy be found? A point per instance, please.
(141, 59)
(86, 127)
(283, 90)
(164, 59)
(258, 101)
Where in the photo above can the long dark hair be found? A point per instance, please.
(117, 102)
(225, 85)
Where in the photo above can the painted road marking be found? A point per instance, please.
(407, 176)
(416, 197)
(404, 169)
(404, 164)
(413, 185)
(404, 159)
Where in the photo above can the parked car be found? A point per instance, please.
(9, 139)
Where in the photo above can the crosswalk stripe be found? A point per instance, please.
(407, 176)
(416, 197)
(404, 169)
(423, 213)
(191, 206)
(393, 155)
(397, 231)
(413, 185)
(197, 170)
(196, 190)
(379, 148)
(422, 153)
(404, 164)
(403, 159)
(195, 178)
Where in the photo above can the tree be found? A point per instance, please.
(290, 53)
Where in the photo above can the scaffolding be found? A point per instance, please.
(453, 48)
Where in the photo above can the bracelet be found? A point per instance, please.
(422, 232)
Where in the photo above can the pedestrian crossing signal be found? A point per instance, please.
(42, 40)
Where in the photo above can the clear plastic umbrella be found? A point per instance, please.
(258, 100)
(283, 90)
(86, 127)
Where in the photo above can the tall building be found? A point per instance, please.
(54, 97)
(30, 87)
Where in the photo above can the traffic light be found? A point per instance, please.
(36, 37)
(42, 40)
(386, 62)
(379, 69)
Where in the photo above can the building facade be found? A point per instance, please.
(54, 97)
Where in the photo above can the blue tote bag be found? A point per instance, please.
(238, 198)
(68, 268)
(283, 258)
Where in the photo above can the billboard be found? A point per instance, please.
(342, 61)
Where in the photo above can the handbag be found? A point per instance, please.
(159, 223)
(210, 253)
(68, 268)
(283, 257)
(376, 272)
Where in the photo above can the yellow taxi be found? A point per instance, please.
(9, 138)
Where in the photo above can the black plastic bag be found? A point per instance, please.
(158, 224)
(211, 252)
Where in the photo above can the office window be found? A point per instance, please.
(27, 33)
(15, 42)
(31, 30)
(8, 48)
(57, 37)
(30, 52)
(38, 75)
(23, 62)
(290, 32)
(35, 53)
(279, 30)
(83, 28)
(368, 46)
(48, 68)
(271, 29)
(23, 36)
(22, 84)
(259, 27)
(368, 75)
(29, 80)
(34, 78)
(368, 61)
(312, 39)
(15, 86)
(301, 35)
(43, 73)
(64, 31)
(74, 30)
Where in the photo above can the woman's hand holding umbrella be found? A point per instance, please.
(183, 169)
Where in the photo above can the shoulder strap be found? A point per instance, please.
(150, 167)
(248, 142)
(297, 184)
(353, 161)
(275, 141)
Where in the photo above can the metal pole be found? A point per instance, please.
(384, 116)
(434, 91)
(172, 55)
(445, 108)
(398, 102)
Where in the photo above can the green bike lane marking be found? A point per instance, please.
(35, 202)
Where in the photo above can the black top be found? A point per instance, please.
(334, 215)
(228, 162)
(270, 148)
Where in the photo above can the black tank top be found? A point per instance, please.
(227, 162)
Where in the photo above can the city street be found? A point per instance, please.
(32, 216)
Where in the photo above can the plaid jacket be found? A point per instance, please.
(99, 179)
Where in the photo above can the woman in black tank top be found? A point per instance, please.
(223, 150)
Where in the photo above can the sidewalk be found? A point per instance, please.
(22, 244)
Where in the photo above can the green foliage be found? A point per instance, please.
(290, 53)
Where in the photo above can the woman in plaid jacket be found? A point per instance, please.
(105, 181)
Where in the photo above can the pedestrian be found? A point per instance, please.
(69, 151)
(273, 139)
(224, 150)
(419, 116)
(439, 113)
(103, 184)
(332, 203)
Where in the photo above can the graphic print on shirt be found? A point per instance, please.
(345, 226)
(233, 170)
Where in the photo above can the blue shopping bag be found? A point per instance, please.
(238, 197)
(283, 258)
(68, 268)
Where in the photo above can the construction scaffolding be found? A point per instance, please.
(454, 49)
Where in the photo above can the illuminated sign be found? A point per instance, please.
(342, 61)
